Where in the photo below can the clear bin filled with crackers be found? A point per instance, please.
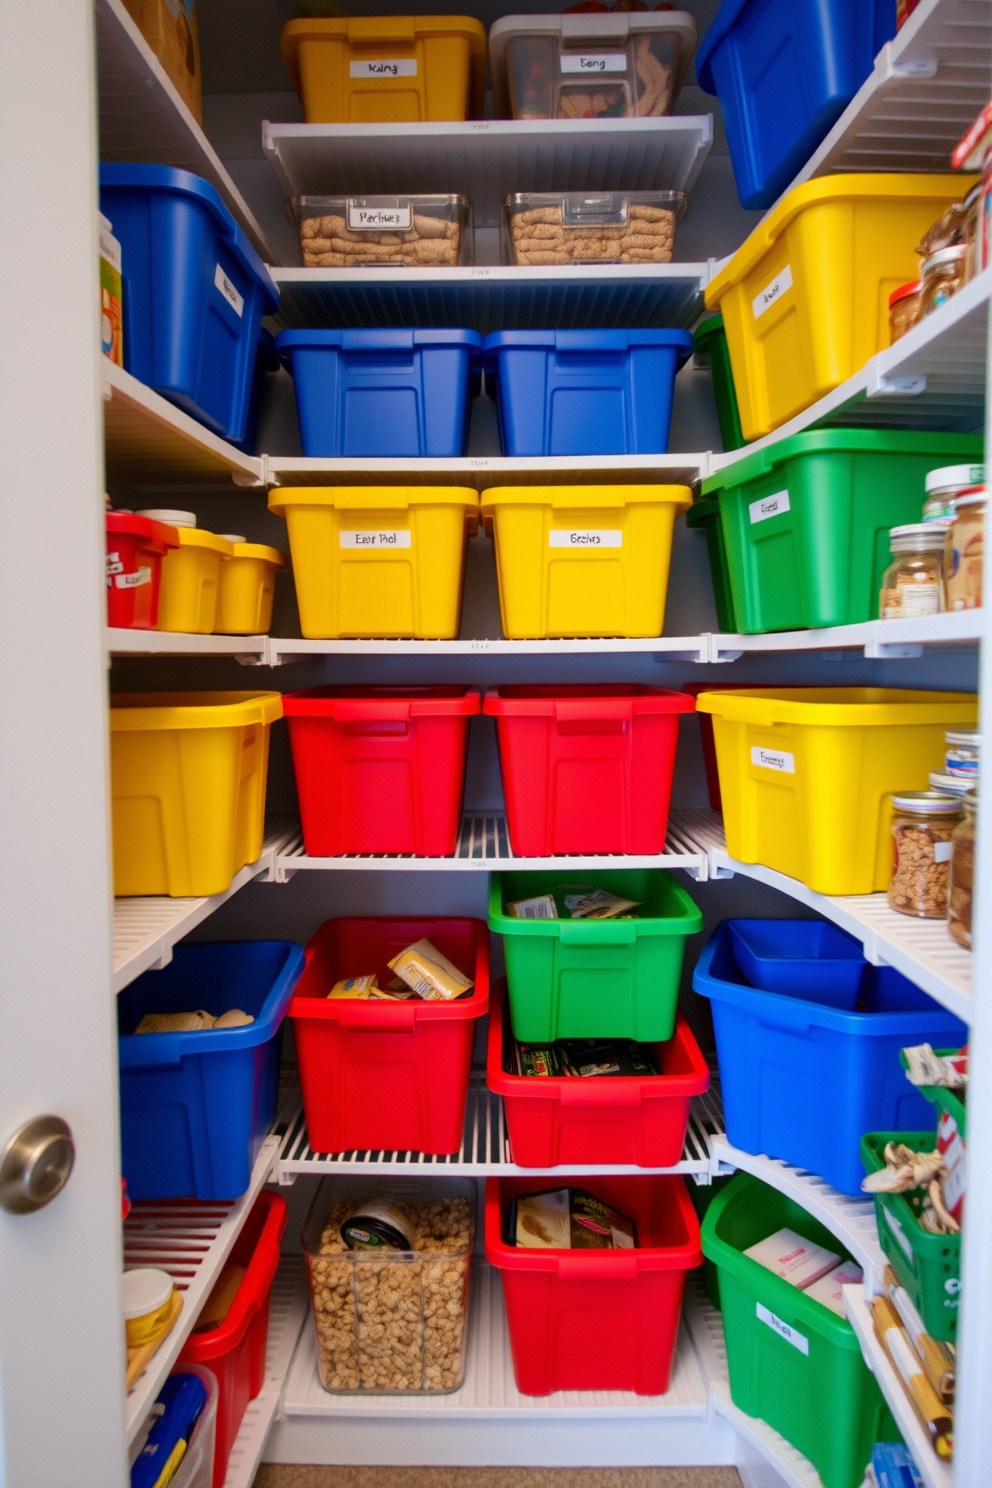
(563, 227)
(360, 232)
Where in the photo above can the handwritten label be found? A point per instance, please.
(784, 1330)
(133, 580)
(589, 537)
(769, 506)
(379, 539)
(594, 62)
(227, 289)
(388, 67)
(773, 759)
(372, 219)
(772, 292)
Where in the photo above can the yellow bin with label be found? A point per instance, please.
(805, 299)
(247, 588)
(191, 581)
(582, 560)
(378, 561)
(187, 778)
(806, 774)
(387, 69)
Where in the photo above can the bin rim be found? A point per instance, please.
(876, 707)
(688, 921)
(342, 703)
(568, 498)
(583, 699)
(589, 340)
(261, 551)
(372, 498)
(198, 537)
(719, 29)
(841, 441)
(135, 712)
(130, 524)
(400, 338)
(253, 1291)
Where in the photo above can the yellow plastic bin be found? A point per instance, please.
(805, 299)
(387, 69)
(378, 560)
(190, 574)
(582, 560)
(247, 587)
(806, 773)
(187, 775)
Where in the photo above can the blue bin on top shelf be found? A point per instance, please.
(196, 1107)
(784, 71)
(383, 392)
(194, 292)
(802, 1081)
(584, 392)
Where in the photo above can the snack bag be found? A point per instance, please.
(600, 904)
(543, 907)
(359, 986)
(430, 974)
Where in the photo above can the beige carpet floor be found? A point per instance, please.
(497, 1477)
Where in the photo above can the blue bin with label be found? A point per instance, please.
(584, 392)
(802, 1081)
(196, 1107)
(382, 393)
(784, 71)
(194, 292)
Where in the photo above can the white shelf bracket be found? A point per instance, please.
(892, 650)
(880, 385)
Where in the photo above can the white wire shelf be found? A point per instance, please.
(880, 640)
(498, 298)
(191, 1241)
(289, 1308)
(143, 119)
(489, 159)
(482, 471)
(935, 1474)
(123, 642)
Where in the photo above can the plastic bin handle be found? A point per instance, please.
(600, 1091)
(380, 710)
(593, 710)
(607, 932)
(375, 30)
(389, 1017)
(578, 341)
(598, 1265)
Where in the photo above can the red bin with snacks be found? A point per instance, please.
(135, 548)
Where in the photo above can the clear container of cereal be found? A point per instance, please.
(588, 65)
(392, 1322)
(923, 823)
(963, 873)
(904, 309)
(582, 227)
(913, 583)
(943, 486)
(963, 551)
(360, 232)
(962, 754)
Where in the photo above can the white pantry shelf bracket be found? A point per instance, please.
(878, 385)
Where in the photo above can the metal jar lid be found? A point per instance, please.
(927, 803)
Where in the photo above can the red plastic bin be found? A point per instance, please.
(380, 769)
(235, 1350)
(639, 1120)
(386, 1076)
(597, 1319)
(135, 548)
(587, 769)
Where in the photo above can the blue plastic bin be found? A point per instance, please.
(584, 392)
(194, 292)
(266, 361)
(394, 392)
(784, 70)
(195, 1107)
(810, 959)
(802, 1082)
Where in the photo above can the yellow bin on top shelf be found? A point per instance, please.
(247, 588)
(805, 299)
(191, 581)
(378, 561)
(187, 777)
(806, 774)
(387, 69)
(582, 560)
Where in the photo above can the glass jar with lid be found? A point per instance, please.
(922, 825)
(913, 583)
(904, 309)
(944, 485)
(963, 748)
(962, 872)
(942, 275)
(963, 551)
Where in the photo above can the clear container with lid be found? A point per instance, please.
(563, 227)
(950, 785)
(904, 309)
(359, 232)
(922, 826)
(182, 519)
(147, 1304)
(913, 583)
(942, 275)
(964, 545)
(943, 485)
(963, 872)
(963, 751)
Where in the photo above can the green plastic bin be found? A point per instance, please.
(706, 515)
(701, 1196)
(806, 521)
(793, 1362)
(594, 978)
(709, 345)
(929, 1266)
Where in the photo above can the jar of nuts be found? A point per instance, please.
(392, 1322)
(963, 872)
(922, 825)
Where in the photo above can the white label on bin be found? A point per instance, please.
(899, 1233)
(773, 759)
(386, 68)
(372, 219)
(772, 292)
(942, 852)
(227, 289)
(587, 537)
(769, 506)
(594, 62)
(376, 539)
(784, 1330)
(133, 580)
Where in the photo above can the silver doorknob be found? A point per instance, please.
(36, 1164)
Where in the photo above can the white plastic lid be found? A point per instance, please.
(234, 537)
(964, 736)
(170, 518)
(950, 785)
(146, 1289)
(953, 478)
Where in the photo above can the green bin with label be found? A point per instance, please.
(806, 520)
(709, 345)
(793, 1362)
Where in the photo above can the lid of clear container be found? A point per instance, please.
(918, 536)
(598, 208)
(146, 1289)
(953, 478)
(904, 291)
(950, 785)
(927, 803)
(964, 736)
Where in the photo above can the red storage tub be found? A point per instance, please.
(587, 769)
(235, 1349)
(386, 1076)
(380, 769)
(135, 547)
(597, 1319)
(614, 1120)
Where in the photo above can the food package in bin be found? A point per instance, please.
(569, 1219)
(563, 227)
(353, 232)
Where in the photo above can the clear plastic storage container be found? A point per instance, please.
(357, 232)
(563, 227)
